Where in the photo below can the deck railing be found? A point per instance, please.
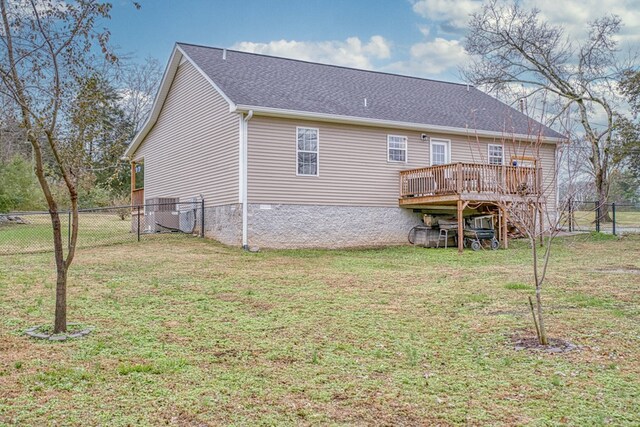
(460, 178)
(137, 197)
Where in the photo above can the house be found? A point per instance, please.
(291, 154)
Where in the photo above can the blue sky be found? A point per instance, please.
(415, 37)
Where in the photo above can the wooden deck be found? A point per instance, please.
(446, 184)
(462, 184)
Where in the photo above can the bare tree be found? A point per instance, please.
(44, 47)
(512, 46)
(537, 217)
(530, 203)
(139, 84)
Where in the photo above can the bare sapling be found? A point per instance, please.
(45, 48)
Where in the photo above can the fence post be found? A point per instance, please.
(138, 228)
(597, 216)
(570, 215)
(613, 212)
(202, 218)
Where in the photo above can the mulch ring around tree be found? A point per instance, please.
(45, 332)
(531, 343)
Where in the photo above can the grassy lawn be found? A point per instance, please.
(624, 219)
(189, 332)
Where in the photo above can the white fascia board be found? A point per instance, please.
(175, 60)
(278, 112)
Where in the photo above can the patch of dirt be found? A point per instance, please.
(182, 418)
(530, 343)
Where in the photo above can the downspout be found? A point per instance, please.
(244, 159)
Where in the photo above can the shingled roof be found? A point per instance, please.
(284, 87)
(254, 80)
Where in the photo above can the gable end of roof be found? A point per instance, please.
(175, 60)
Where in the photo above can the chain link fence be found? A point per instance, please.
(31, 232)
(620, 217)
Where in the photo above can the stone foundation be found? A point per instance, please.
(222, 223)
(314, 226)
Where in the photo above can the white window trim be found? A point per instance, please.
(447, 142)
(489, 154)
(317, 151)
(406, 149)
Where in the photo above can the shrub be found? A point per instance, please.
(19, 188)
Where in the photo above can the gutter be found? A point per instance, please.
(244, 133)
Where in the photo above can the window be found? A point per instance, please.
(495, 156)
(439, 152)
(396, 148)
(307, 151)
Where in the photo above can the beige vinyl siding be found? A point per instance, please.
(193, 147)
(352, 162)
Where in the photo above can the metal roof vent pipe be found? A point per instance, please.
(224, 54)
(365, 102)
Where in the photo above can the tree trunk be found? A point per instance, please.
(538, 278)
(602, 187)
(598, 161)
(543, 331)
(60, 320)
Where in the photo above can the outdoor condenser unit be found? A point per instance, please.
(188, 215)
(161, 214)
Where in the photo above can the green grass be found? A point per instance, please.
(95, 229)
(188, 332)
(624, 219)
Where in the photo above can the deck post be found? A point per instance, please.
(505, 228)
(499, 225)
(541, 224)
(460, 227)
(133, 180)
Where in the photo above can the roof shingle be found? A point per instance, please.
(288, 84)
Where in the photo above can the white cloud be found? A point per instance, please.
(424, 30)
(436, 55)
(352, 52)
(432, 58)
(574, 16)
(453, 12)
(25, 7)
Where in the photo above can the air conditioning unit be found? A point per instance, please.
(161, 214)
(188, 215)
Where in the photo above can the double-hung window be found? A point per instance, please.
(396, 148)
(307, 151)
(495, 154)
(439, 151)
